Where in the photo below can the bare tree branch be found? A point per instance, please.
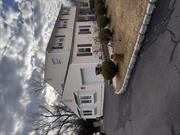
(56, 118)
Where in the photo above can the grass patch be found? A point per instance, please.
(126, 18)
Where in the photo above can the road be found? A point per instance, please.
(151, 104)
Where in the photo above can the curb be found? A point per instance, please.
(138, 44)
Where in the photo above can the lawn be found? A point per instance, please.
(126, 17)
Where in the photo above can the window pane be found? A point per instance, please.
(87, 49)
(61, 40)
(87, 112)
(84, 50)
(85, 26)
(86, 101)
(81, 30)
(84, 29)
(62, 23)
(81, 50)
(84, 32)
(58, 42)
(85, 97)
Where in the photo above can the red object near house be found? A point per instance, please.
(117, 57)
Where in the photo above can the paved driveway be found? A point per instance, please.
(151, 105)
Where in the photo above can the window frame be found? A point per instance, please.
(57, 44)
(88, 112)
(85, 29)
(86, 99)
(83, 48)
(63, 23)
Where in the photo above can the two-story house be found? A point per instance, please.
(71, 57)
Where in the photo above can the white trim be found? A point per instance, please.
(90, 112)
(86, 99)
(82, 50)
(59, 42)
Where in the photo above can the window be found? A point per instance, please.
(86, 99)
(84, 50)
(85, 29)
(83, 4)
(56, 61)
(66, 11)
(58, 42)
(87, 112)
(62, 23)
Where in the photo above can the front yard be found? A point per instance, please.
(126, 17)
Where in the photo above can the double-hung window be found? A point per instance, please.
(86, 29)
(58, 42)
(87, 112)
(86, 99)
(84, 50)
(62, 23)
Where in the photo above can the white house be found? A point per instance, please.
(71, 58)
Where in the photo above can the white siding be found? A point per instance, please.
(85, 39)
(56, 65)
(75, 85)
(57, 58)
(89, 77)
(81, 80)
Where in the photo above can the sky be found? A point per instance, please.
(25, 28)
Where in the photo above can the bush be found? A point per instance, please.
(100, 9)
(105, 35)
(102, 21)
(109, 69)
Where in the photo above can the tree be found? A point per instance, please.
(36, 82)
(56, 119)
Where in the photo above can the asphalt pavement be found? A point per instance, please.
(151, 104)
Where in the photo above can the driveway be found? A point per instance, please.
(151, 104)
